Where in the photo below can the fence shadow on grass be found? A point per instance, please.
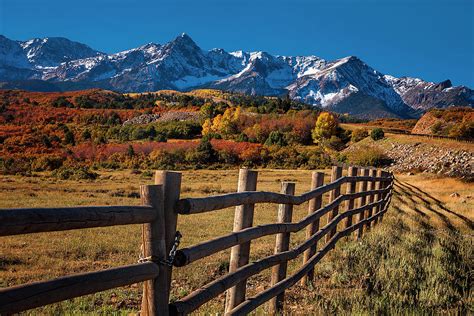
(421, 199)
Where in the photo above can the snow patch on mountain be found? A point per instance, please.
(181, 64)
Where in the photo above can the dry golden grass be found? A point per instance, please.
(28, 258)
(439, 142)
(413, 139)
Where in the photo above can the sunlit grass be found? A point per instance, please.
(418, 259)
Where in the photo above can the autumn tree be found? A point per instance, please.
(207, 127)
(326, 126)
(223, 124)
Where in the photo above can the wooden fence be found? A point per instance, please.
(367, 196)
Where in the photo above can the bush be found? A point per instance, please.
(464, 130)
(161, 159)
(74, 173)
(228, 157)
(203, 154)
(317, 159)
(252, 156)
(47, 163)
(17, 165)
(160, 132)
(86, 135)
(358, 135)
(436, 128)
(242, 138)
(69, 138)
(62, 102)
(179, 129)
(130, 151)
(285, 157)
(368, 157)
(377, 134)
(276, 138)
(335, 143)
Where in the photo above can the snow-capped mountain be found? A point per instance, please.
(52, 51)
(346, 85)
(422, 95)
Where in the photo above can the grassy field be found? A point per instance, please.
(413, 139)
(419, 260)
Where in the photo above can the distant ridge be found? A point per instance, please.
(346, 85)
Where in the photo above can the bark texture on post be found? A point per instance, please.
(285, 214)
(239, 255)
(336, 173)
(384, 185)
(351, 188)
(370, 198)
(362, 200)
(317, 180)
(171, 183)
(154, 248)
(377, 197)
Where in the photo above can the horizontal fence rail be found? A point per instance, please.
(213, 289)
(23, 297)
(188, 255)
(254, 302)
(217, 202)
(367, 196)
(36, 220)
(374, 199)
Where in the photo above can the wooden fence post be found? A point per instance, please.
(351, 188)
(239, 255)
(370, 198)
(362, 188)
(385, 183)
(336, 173)
(317, 180)
(154, 302)
(285, 213)
(377, 197)
(171, 183)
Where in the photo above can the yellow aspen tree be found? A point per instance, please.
(326, 126)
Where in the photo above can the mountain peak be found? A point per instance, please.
(443, 85)
(184, 39)
(351, 59)
(342, 84)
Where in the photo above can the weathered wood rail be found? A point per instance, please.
(367, 196)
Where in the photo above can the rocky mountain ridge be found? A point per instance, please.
(346, 85)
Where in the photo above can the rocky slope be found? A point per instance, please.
(427, 158)
(346, 85)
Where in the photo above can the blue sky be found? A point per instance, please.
(433, 39)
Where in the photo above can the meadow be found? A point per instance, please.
(80, 148)
(419, 260)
